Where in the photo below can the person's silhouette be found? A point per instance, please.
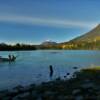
(9, 56)
(51, 71)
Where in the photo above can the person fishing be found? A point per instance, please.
(51, 71)
(9, 57)
(13, 57)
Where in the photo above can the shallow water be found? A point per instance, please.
(33, 66)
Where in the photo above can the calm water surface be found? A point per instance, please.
(33, 66)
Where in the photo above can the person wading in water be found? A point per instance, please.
(51, 71)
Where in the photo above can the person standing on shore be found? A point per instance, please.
(51, 71)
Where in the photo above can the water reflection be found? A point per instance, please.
(33, 66)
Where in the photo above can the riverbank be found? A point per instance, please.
(83, 85)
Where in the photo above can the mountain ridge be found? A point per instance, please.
(45, 43)
(92, 35)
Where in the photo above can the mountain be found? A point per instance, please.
(48, 42)
(93, 35)
(88, 41)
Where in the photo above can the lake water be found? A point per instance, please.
(33, 66)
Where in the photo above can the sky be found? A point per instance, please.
(35, 21)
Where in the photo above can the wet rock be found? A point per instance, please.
(65, 76)
(23, 96)
(43, 83)
(22, 89)
(32, 85)
(98, 97)
(39, 98)
(3, 93)
(67, 97)
(7, 98)
(75, 92)
(50, 83)
(34, 95)
(15, 98)
(48, 95)
(75, 67)
(79, 97)
(73, 76)
(58, 79)
(68, 74)
(12, 92)
(61, 97)
(87, 85)
(27, 89)
(87, 81)
(19, 88)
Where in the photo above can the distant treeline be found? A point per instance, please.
(16, 47)
(61, 46)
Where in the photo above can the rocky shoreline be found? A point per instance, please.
(84, 85)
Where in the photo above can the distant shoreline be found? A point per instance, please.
(55, 50)
(26, 47)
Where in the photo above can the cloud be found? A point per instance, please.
(46, 21)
